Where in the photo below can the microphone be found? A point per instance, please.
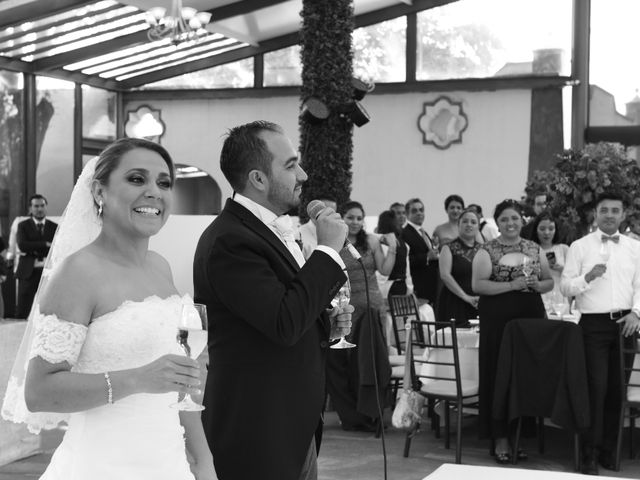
(314, 208)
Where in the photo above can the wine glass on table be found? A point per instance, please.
(192, 338)
(341, 300)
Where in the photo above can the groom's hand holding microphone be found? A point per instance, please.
(332, 232)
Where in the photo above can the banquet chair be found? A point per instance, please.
(438, 370)
(403, 309)
(630, 373)
(542, 373)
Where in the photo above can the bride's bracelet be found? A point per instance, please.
(107, 379)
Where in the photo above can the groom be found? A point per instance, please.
(269, 327)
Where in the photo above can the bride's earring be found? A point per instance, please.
(100, 208)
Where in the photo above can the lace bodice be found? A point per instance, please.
(501, 272)
(460, 249)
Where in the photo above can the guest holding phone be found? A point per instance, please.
(545, 234)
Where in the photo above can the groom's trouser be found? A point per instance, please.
(310, 467)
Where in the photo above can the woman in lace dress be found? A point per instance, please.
(457, 300)
(343, 370)
(505, 293)
(104, 356)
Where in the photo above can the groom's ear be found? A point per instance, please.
(258, 180)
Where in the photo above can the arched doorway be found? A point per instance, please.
(196, 192)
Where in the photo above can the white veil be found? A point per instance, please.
(78, 227)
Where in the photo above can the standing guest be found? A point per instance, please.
(397, 279)
(634, 226)
(34, 239)
(487, 230)
(308, 232)
(539, 206)
(509, 274)
(345, 365)
(423, 256)
(545, 234)
(4, 272)
(269, 328)
(401, 213)
(602, 271)
(457, 300)
(100, 350)
(453, 205)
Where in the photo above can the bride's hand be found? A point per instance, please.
(170, 373)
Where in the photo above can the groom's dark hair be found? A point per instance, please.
(244, 150)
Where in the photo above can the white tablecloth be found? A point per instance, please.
(451, 471)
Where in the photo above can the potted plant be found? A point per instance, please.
(576, 180)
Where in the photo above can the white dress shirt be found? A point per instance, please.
(617, 289)
(267, 217)
(309, 238)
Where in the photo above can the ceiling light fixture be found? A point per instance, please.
(182, 24)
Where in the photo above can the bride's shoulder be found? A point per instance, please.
(76, 278)
(160, 264)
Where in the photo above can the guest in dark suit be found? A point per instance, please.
(269, 324)
(423, 255)
(34, 240)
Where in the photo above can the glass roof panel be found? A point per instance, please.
(181, 61)
(78, 34)
(167, 48)
(87, 41)
(185, 53)
(77, 14)
(117, 54)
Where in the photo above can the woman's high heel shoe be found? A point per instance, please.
(503, 458)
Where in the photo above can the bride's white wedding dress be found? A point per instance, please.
(138, 437)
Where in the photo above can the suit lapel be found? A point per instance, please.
(256, 225)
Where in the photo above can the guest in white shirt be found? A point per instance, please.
(602, 271)
(308, 232)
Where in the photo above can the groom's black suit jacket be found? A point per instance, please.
(268, 340)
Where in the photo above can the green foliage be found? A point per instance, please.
(327, 147)
(576, 180)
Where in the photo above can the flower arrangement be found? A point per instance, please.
(577, 179)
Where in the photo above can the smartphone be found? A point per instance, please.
(551, 257)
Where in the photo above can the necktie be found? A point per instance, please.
(41, 228)
(426, 238)
(284, 226)
(613, 238)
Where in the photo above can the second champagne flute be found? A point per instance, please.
(192, 338)
(341, 300)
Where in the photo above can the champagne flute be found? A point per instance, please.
(527, 266)
(605, 252)
(341, 300)
(192, 338)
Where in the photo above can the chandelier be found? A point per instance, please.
(182, 24)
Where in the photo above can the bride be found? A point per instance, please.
(100, 351)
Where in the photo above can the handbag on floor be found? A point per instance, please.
(408, 409)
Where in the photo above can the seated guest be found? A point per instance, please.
(453, 205)
(308, 234)
(602, 271)
(487, 230)
(545, 234)
(509, 273)
(457, 300)
(344, 365)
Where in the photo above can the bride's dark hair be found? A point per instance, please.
(110, 157)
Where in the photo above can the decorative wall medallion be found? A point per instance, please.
(442, 122)
(145, 122)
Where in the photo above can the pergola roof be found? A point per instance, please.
(104, 43)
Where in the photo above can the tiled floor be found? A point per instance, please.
(352, 455)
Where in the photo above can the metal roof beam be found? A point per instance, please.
(240, 8)
(26, 67)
